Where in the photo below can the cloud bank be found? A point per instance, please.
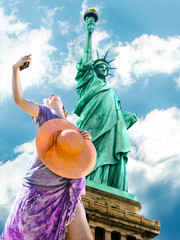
(11, 174)
(155, 156)
(146, 56)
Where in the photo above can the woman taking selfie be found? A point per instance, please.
(48, 206)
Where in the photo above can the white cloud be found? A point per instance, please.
(67, 75)
(157, 137)
(64, 27)
(10, 3)
(50, 13)
(27, 147)
(84, 7)
(10, 24)
(16, 40)
(177, 81)
(146, 56)
(155, 155)
(11, 174)
(99, 42)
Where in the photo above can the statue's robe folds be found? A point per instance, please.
(100, 114)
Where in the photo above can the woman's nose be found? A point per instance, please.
(51, 95)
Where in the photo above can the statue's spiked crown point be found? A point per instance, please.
(91, 13)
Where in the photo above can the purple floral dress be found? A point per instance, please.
(46, 202)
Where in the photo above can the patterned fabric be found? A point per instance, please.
(41, 214)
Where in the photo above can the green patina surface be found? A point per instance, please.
(111, 190)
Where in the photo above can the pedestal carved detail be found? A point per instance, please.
(117, 214)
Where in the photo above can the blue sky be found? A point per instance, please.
(144, 37)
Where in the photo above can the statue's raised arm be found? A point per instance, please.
(90, 17)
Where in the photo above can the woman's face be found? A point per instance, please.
(53, 100)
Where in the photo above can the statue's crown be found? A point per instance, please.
(103, 60)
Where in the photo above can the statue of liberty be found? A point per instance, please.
(100, 114)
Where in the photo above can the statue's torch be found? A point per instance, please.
(91, 13)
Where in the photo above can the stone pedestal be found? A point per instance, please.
(115, 215)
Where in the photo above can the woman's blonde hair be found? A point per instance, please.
(65, 112)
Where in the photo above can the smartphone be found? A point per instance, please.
(25, 65)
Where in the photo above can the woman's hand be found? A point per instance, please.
(85, 134)
(21, 61)
(28, 106)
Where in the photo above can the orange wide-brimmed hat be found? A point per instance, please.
(64, 150)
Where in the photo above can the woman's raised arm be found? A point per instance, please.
(28, 106)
